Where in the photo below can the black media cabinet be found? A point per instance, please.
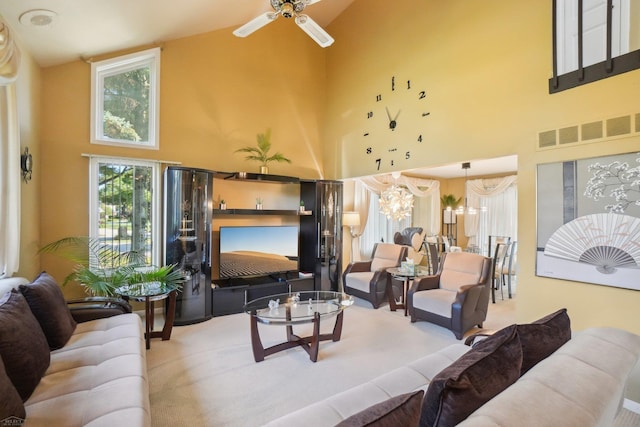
(230, 296)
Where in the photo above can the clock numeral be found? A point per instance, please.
(422, 94)
(393, 83)
(378, 98)
(407, 155)
(425, 114)
(365, 134)
(420, 138)
(369, 114)
(391, 162)
(408, 84)
(378, 162)
(391, 150)
(369, 150)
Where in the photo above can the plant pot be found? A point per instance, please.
(264, 170)
(259, 206)
(223, 206)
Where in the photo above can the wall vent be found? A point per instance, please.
(619, 126)
(591, 131)
(568, 135)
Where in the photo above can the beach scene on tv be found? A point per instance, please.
(257, 250)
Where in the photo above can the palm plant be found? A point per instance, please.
(260, 153)
(450, 201)
(101, 269)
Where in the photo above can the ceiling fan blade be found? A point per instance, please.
(308, 2)
(315, 31)
(255, 24)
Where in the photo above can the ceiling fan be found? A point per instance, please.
(288, 9)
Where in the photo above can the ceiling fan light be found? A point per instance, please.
(287, 10)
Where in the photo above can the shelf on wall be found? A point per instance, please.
(258, 177)
(290, 212)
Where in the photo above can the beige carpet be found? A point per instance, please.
(206, 376)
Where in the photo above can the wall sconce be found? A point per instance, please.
(26, 164)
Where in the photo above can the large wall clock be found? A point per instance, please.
(395, 121)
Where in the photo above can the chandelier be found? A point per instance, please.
(396, 202)
(469, 210)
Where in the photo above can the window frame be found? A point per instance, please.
(611, 66)
(109, 67)
(156, 202)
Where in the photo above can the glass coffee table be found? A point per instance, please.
(294, 309)
(404, 275)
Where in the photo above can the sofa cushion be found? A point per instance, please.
(49, 307)
(542, 337)
(459, 269)
(476, 377)
(11, 402)
(23, 346)
(402, 410)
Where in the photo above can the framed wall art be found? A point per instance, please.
(588, 220)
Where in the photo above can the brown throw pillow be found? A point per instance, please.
(476, 377)
(50, 308)
(543, 337)
(10, 402)
(23, 346)
(403, 410)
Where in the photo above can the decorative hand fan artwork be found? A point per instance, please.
(607, 241)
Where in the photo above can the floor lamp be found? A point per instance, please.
(351, 220)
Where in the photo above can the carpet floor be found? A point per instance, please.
(206, 375)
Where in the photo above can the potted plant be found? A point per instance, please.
(449, 202)
(302, 206)
(259, 203)
(101, 270)
(223, 204)
(260, 153)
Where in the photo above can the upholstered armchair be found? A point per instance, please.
(368, 279)
(457, 297)
(413, 238)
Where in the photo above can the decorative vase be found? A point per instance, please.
(223, 206)
(264, 170)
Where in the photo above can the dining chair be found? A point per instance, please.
(509, 266)
(499, 255)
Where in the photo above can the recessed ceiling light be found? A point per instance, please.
(38, 18)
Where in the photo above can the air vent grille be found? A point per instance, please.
(590, 132)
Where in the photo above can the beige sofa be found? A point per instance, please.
(580, 384)
(98, 378)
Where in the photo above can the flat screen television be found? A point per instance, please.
(253, 251)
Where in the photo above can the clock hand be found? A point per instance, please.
(396, 117)
(392, 122)
(388, 113)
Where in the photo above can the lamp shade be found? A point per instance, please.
(350, 219)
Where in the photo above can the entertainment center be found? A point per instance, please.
(233, 253)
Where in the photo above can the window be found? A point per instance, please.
(124, 210)
(593, 40)
(125, 100)
(379, 228)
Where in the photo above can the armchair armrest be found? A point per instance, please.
(91, 308)
(358, 266)
(428, 282)
(473, 339)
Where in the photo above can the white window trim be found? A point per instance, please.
(94, 203)
(108, 67)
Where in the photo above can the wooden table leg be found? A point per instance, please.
(147, 320)
(392, 299)
(337, 328)
(170, 316)
(314, 345)
(256, 343)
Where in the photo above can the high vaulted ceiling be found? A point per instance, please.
(86, 28)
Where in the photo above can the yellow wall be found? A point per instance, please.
(485, 66)
(28, 94)
(217, 93)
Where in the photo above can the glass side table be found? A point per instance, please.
(405, 276)
(149, 293)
